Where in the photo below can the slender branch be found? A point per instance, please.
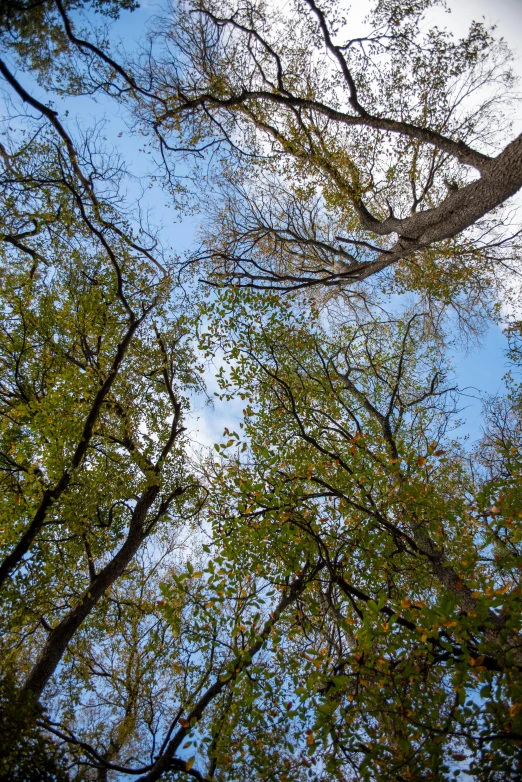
(51, 495)
(290, 595)
(52, 116)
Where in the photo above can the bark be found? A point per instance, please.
(460, 210)
(500, 177)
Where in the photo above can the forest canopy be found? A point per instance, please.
(332, 590)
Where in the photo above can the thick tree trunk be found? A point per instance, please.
(460, 210)
(463, 208)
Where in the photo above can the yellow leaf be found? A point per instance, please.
(189, 764)
(310, 739)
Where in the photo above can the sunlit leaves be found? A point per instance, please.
(350, 461)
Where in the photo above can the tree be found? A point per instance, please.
(100, 675)
(417, 606)
(334, 592)
(354, 155)
(96, 366)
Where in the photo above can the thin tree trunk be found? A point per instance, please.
(51, 495)
(62, 634)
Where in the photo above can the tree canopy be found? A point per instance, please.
(377, 152)
(332, 591)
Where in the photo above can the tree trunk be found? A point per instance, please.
(60, 637)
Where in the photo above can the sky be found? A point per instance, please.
(479, 371)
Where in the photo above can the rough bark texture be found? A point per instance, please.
(460, 210)
(279, 105)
